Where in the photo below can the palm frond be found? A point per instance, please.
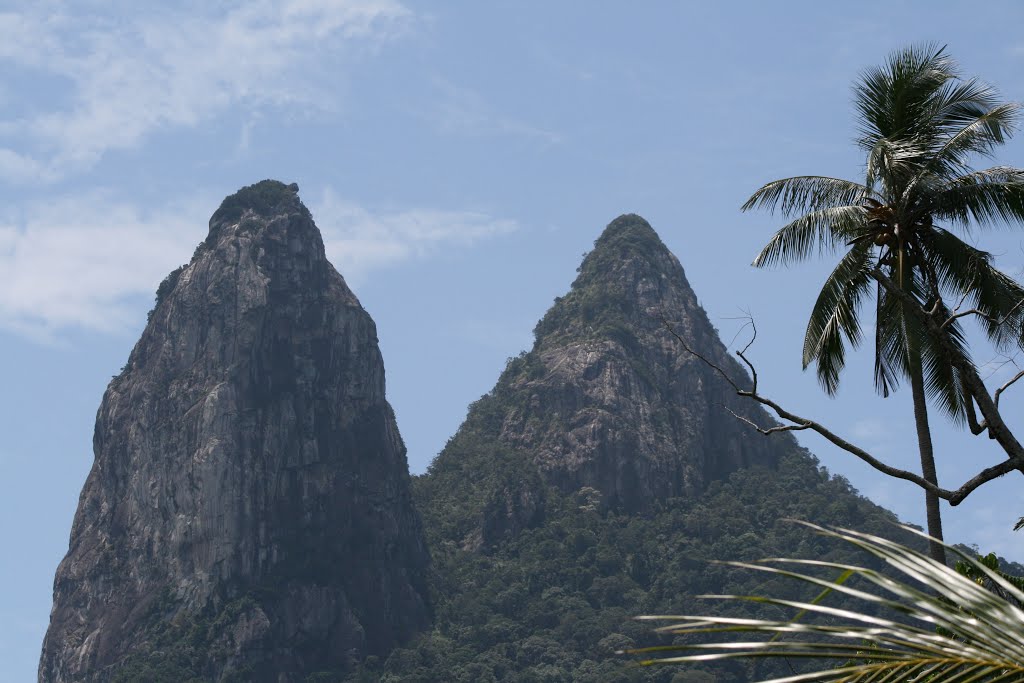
(835, 316)
(896, 100)
(894, 164)
(967, 272)
(821, 231)
(977, 137)
(801, 194)
(941, 378)
(991, 196)
(890, 342)
(960, 102)
(980, 635)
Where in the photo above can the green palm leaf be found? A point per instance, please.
(896, 101)
(968, 273)
(890, 342)
(834, 316)
(822, 230)
(980, 639)
(806, 193)
(992, 196)
(978, 136)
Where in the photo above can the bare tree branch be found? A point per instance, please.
(981, 314)
(713, 366)
(1006, 386)
(976, 427)
(798, 423)
(742, 354)
(770, 430)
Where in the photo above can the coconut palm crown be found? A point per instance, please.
(920, 127)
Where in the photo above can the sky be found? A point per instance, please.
(459, 158)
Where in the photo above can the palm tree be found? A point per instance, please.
(974, 634)
(920, 125)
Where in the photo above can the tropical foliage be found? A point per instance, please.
(920, 127)
(555, 602)
(942, 624)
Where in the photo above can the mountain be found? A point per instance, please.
(607, 400)
(600, 479)
(248, 516)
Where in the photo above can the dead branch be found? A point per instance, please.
(981, 314)
(799, 423)
(1006, 386)
(769, 430)
(713, 366)
(972, 417)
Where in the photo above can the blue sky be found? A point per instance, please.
(459, 158)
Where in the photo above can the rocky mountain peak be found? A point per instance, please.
(250, 487)
(627, 236)
(625, 285)
(607, 402)
(266, 198)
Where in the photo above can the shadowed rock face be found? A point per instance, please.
(607, 400)
(615, 403)
(249, 482)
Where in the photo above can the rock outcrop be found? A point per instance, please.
(611, 400)
(608, 400)
(248, 514)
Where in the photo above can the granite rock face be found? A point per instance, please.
(608, 402)
(250, 489)
(614, 401)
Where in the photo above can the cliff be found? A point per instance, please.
(606, 401)
(248, 515)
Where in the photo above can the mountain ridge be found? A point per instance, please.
(607, 399)
(248, 513)
(602, 478)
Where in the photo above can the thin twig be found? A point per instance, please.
(770, 430)
(713, 366)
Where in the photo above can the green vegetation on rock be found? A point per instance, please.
(263, 198)
(556, 601)
(181, 645)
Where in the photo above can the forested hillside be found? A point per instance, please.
(600, 480)
(555, 603)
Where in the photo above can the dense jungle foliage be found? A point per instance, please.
(555, 603)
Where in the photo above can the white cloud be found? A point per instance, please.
(359, 240)
(77, 261)
(88, 260)
(461, 111)
(134, 71)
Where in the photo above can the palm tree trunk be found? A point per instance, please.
(924, 444)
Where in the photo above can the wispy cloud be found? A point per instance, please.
(359, 240)
(461, 111)
(135, 70)
(77, 261)
(88, 260)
